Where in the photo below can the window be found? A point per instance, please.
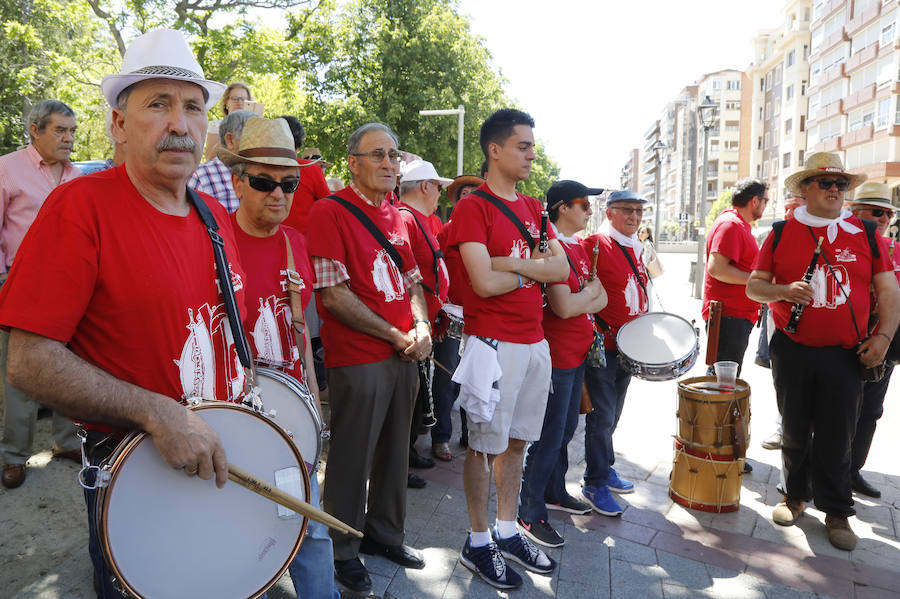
(865, 38)
(768, 110)
(730, 167)
(884, 71)
(802, 123)
(734, 84)
(760, 113)
(732, 105)
(887, 31)
(778, 74)
(789, 93)
(805, 52)
(732, 125)
(762, 84)
(803, 88)
(766, 143)
(818, 9)
(791, 59)
(786, 160)
(861, 117)
(765, 168)
(758, 171)
(788, 125)
(799, 157)
(863, 77)
(717, 83)
(768, 80)
(732, 144)
(774, 165)
(776, 107)
(884, 110)
(759, 143)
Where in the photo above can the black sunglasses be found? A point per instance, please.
(879, 212)
(825, 184)
(268, 185)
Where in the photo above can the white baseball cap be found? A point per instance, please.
(422, 170)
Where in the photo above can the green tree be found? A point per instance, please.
(722, 202)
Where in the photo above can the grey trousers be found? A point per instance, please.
(20, 420)
(371, 411)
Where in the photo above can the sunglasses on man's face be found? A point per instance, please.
(268, 185)
(879, 212)
(825, 184)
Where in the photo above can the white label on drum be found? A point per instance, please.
(289, 481)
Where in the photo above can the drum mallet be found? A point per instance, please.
(261, 487)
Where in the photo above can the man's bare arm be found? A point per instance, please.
(542, 267)
(420, 345)
(720, 268)
(872, 351)
(760, 288)
(486, 281)
(47, 370)
(350, 310)
(566, 304)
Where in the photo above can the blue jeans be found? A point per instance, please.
(762, 348)
(443, 390)
(607, 387)
(312, 570)
(547, 459)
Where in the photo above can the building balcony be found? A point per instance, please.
(861, 20)
(864, 95)
(857, 136)
(826, 112)
(863, 57)
(829, 145)
(829, 76)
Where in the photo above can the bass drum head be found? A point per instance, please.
(658, 339)
(169, 535)
(295, 410)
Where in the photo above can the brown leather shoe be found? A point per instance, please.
(839, 533)
(787, 512)
(70, 454)
(13, 475)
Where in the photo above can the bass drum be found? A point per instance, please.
(165, 534)
(292, 407)
(658, 346)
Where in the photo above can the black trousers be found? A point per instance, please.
(819, 391)
(869, 412)
(734, 335)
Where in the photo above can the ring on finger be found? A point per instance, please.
(190, 470)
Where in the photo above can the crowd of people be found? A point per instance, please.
(112, 309)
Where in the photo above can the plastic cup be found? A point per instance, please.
(726, 373)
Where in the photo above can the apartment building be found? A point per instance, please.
(853, 85)
(630, 173)
(779, 77)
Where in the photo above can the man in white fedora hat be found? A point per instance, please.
(820, 305)
(872, 201)
(113, 306)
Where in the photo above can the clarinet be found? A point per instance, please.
(797, 309)
(544, 244)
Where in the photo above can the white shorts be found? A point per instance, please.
(524, 387)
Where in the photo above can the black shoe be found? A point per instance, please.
(352, 574)
(861, 485)
(419, 461)
(404, 555)
(541, 532)
(747, 468)
(414, 481)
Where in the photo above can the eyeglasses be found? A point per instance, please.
(377, 156)
(313, 157)
(639, 210)
(879, 212)
(268, 185)
(825, 184)
(238, 100)
(579, 202)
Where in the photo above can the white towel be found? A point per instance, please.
(478, 374)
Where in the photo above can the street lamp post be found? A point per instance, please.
(708, 112)
(461, 112)
(659, 149)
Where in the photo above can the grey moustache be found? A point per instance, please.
(182, 143)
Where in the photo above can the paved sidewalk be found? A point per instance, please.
(655, 549)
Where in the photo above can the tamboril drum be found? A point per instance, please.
(292, 407)
(658, 346)
(165, 534)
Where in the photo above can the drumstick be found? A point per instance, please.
(596, 253)
(261, 487)
(439, 365)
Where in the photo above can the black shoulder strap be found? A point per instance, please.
(435, 254)
(508, 214)
(224, 273)
(872, 228)
(373, 230)
(633, 268)
(777, 230)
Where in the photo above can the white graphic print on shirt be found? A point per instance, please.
(827, 289)
(209, 356)
(273, 333)
(386, 277)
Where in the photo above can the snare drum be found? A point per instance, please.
(658, 346)
(165, 534)
(292, 407)
(705, 481)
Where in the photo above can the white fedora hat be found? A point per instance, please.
(159, 54)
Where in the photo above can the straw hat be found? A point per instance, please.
(315, 154)
(821, 163)
(159, 54)
(264, 141)
(873, 193)
(462, 181)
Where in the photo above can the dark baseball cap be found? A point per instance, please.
(566, 190)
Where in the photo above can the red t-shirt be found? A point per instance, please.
(895, 257)
(515, 316)
(267, 322)
(627, 299)
(570, 338)
(455, 268)
(826, 321)
(130, 289)
(436, 225)
(336, 234)
(312, 187)
(731, 236)
(425, 258)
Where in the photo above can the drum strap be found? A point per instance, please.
(294, 287)
(436, 255)
(508, 214)
(372, 229)
(225, 285)
(634, 268)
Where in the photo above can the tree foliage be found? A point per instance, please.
(723, 202)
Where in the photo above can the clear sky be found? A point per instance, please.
(595, 74)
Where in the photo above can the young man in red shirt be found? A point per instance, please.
(374, 328)
(569, 330)
(622, 272)
(502, 311)
(817, 369)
